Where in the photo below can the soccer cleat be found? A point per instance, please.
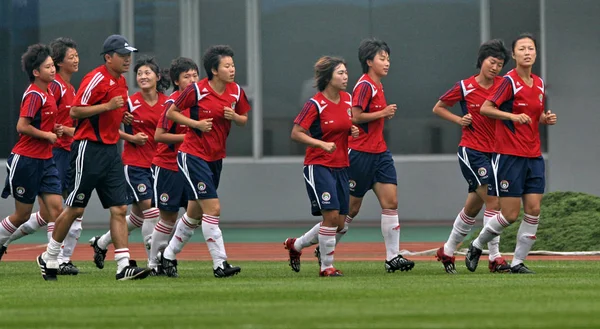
(2, 251)
(446, 260)
(331, 271)
(67, 269)
(472, 258)
(294, 255)
(48, 273)
(318, 255)
(169, 266)
(226, 270)
(499, 265)
(99, 253)
(521, 269)
(133, 272)
(399, 263)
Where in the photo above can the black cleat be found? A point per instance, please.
(399, 263)
(168, 266)
(499, 265)
(294, 255)
(2, 251)
(48, 274)
(226, 270)
(132, 272)
(472, 257)
(521, 269)
(446, 260)
(99, 253)
(67, 269)
(318, 255)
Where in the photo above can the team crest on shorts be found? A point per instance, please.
(482, 171)
(504, 184)
(164, 197)
(20, 190)
(351, 183)
(326, 196)
(80, 196)
(141, 188)
(201, 186)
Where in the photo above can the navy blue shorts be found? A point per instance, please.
(515, 176)
(62, 158)
(96, 166)
(202, 177)
(170, 192)
(140, 182)
(327, 189)
(366, 169)
(28, 177)
(476, 167)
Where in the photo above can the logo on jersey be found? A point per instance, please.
(541, 97)
(482, 171)
(349, 112)
(164, 197)
(20, 190)
(141, 188)
(504, 184)
(233, 105)
(352, 184)
(201, 186)
(80, 196)
(326, 196)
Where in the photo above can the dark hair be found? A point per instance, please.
(324, 68)
(163, 82)
(525, 35)
(110, 54)
(493, 48)
(180, 65)
(33, 58)
(59, 49)
(368, 49)
(212, 58)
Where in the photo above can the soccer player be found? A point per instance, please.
(31, 170)
(475, 151)
(214, 102)
(95, 161)
(518, 104)
(139, 149)
(169, 184)
(324, 125)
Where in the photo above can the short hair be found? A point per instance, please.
(525, 35)
(493, 48)
(212, 58)
(180, 65)
(34, 57)
(163, 82)
(324, 69)
(59, 49)
(368, 49)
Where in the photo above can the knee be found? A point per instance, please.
(510, 215)
(390, 203)
(118, 212)
(213, 208)
(472, 210)
(533, 211)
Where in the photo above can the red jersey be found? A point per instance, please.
(369, 97)
(64, 94)
(99, 87)
(145, 120)
(166, 154)
(40, 107)
(205, 103)
(329, 122)
(514, 96)
(480, 134)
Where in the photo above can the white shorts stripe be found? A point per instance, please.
(11, 173)
(184, 169)
(129, 183)
(311, 181)
(78, 172)
(495, 163)
(155, 172)
(465, 160)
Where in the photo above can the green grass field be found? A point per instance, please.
(269, 295)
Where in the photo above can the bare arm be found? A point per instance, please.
(239, 119)
(490, 110)
(138, 139)
(82, 112)
(24, 127)
(69, 131)
(359, 116)
(162, 136)
(174, 114)
(300, 135)
(441, 109)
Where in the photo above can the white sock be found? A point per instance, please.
(494, 245)
(327, 246)
(150, 220)
(70, 241)
(214, 239)
(51, 254)
(492, 229)
(6, 230)
(339, 235)
(390, 229)
(525, 238)
(183, 233)
(50, 230)
(160, 239)
(122, 258)
(310, 238)
(462, 226)
(34, 223)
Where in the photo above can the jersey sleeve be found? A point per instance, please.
(502, 93)
(54, 87)
(30, 105)
(163, 122)
(307, 116)
(91, 91)
(187, 98)
(362, 95)
(243, 106)
(453, 95)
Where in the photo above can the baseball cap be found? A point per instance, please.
(118, 44)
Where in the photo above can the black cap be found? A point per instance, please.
(118, 44)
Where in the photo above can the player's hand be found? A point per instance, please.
(329, 147)
(389, 111)
(354, 131)
(115, 103)
(204, 125)
(229, 113)
(127, 118)
(550, 118)
(466, 120)
(51, 137)
(521, 118)
(140, 139)
(58, 129)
